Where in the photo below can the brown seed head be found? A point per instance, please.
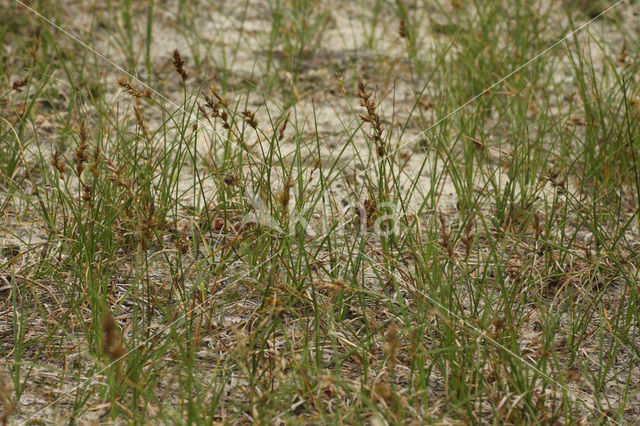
(131, 89)
(58, 163)
(283, 127)
(230, 179)
(19, 84)
(225, 120)
(285, 196)
(340, 82)
(178, 64)
(371, 210)
(371, 117)
(140, 119)
(87, 193)
(94, 166)
(112, 342)
(221, 101)
(250, 118)
(108, 324)
(211, 104)
(402, 29)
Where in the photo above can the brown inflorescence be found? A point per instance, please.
(178, 64)
(372, 116)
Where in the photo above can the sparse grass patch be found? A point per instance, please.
(291, 212)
